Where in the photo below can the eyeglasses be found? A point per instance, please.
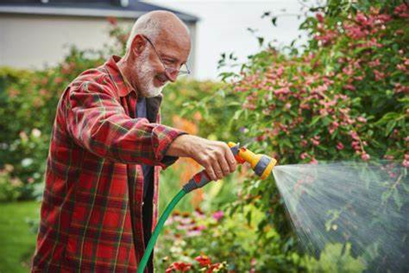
(169, 70)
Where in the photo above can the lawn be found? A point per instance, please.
(17, 240)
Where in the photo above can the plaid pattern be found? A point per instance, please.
(91, 214)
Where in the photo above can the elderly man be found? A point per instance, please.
(107, 148)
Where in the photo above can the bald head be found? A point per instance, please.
(158, 47)
(162, 24)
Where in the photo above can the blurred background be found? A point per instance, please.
(257, 69)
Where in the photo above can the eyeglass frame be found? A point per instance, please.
(168, 69)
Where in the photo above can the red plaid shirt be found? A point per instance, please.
(91, 214)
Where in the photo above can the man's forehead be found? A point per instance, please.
(174, 47)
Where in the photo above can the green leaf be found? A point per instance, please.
(274, 21)
(260, 41)
(315, 120)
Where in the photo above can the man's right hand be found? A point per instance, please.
(215, 156)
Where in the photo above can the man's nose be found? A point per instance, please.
(172, 76)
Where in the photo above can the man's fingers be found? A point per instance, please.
(210, 174)
(224, 165)
(231, 160)
(218, 170)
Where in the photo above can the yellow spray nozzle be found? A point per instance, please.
(261, 164)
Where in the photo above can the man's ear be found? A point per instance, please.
(138, 44)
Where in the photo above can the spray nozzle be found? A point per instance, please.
(261, 164)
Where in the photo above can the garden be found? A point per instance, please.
(343, 95)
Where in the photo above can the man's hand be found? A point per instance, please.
(215, 156)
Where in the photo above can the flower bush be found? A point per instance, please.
(344, 97)
(29, 100)
(228, 242)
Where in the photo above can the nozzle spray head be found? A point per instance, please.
(261, 164)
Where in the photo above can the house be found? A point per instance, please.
(34, 33)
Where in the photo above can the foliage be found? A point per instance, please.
(219, 238)
(344, 97)
(335, 258)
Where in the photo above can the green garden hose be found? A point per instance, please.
(158, 229)
(261, 164)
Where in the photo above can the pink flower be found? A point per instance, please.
(315, 142)
(331, 130)
(379, 75)
(374, 63)
(313, 161)
(360, 18)
(354, 135)
(365, 156)
(253, 265)
(319, 17)
(340, 146)
(218, 215)
(362, 119)
(304, 156)
(350, 87)
(402, 11)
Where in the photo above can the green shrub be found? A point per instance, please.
(344, 97)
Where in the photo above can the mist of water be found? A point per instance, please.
(363, 207)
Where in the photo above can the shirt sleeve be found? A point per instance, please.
(98, 123)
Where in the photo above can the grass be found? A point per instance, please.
(17, 240)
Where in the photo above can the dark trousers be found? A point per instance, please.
(147, 221)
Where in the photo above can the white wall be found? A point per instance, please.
(32, 41)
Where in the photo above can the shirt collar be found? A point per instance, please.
(124, 87)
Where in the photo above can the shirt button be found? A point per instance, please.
(143, 203)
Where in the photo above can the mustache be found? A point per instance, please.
(163, 77)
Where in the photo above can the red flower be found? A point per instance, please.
(203, 260)
(213, 267)
(319, 17)
(178, 266)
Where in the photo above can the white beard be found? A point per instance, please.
(145, 73)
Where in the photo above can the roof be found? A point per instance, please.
(88, 8)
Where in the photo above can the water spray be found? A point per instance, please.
(261, 164)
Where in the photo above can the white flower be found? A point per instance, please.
(26, 162)
(36, 133)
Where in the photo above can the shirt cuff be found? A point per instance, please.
(164, 136)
